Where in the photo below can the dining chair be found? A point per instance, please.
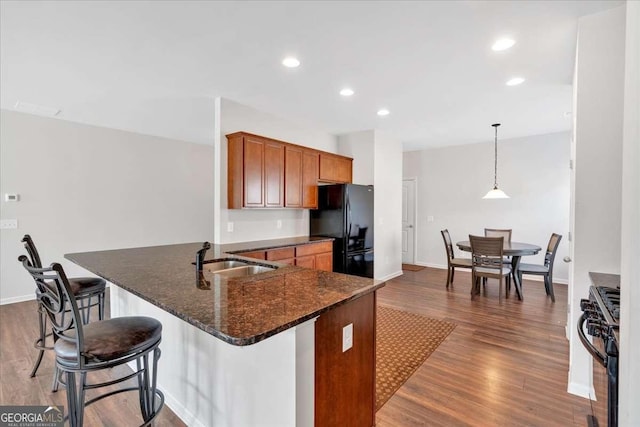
(545, 270)
(452, 261)
(82, 349)
(487, 258)
(498, 232)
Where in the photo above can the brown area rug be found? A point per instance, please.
(411, 267)
(403, 342)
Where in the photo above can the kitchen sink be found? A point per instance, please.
(234, 268)
(223, 265)
(247, 270)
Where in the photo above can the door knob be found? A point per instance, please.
(566, 259)
(409, 226)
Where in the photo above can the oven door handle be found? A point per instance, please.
(588, 345)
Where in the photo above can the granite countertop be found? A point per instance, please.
(240, 311)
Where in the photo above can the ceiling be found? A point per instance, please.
(156, 67)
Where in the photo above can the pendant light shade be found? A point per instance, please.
(495, 192)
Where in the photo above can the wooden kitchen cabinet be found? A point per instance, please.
(310, 176)
(266, 173)
(254, 254)
(334, 168)
(306, 261)
(293, 160)
(301, 177)
(315, 255)
(255, 172)
(318, 256)
(282, 255)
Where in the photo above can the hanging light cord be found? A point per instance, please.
(495, 163)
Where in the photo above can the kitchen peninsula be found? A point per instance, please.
(264, 349)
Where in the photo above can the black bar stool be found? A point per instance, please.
(88, 292)
(104, 344)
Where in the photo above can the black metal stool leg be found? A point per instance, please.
(40, 342)
(101, 306)
(72, 400)
(56, 381)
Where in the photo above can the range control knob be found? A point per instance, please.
(586, 305)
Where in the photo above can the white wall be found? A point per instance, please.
(378, 162)
(451, 181)
(260, 224)
(359, 146)
(599, 90)
(630, 252)
(388, 206)
(86, 188)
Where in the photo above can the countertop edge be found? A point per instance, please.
(237, 341)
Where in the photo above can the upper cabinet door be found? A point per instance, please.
(334, 168)
(310, 175)
(293, 177)
(273, 175)
(254, 170)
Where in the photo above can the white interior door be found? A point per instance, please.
(408, 220)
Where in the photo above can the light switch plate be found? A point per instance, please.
(230, 227)
(8, 224)
(347, 337)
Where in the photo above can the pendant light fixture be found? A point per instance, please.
(495, 193)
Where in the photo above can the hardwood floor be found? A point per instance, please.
(18, 330)
(503, 365)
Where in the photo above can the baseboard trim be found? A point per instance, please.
(390, 276)
(179, 409)
(13, 300)
(581, 390)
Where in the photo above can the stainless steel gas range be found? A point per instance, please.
(600, 318)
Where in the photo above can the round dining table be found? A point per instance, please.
(515, 250)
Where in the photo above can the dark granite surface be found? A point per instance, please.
(605, 279)
(259, 245)
(240, 311)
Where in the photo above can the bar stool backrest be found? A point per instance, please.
(32, 251)
(53, 290)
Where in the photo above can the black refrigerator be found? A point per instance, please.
(345, 212)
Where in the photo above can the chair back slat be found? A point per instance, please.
(487, 251)
(498, 232)
(55, 296)
(552, 248)
(447, 243)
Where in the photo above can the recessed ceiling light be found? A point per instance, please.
(383, 112)
(503, 44)
(515, 81)
(347, 92)
(290, 62)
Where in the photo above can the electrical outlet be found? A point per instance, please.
(430, 218)
(279, 224)
(8, 224)
(347, 337)
(230, 227)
